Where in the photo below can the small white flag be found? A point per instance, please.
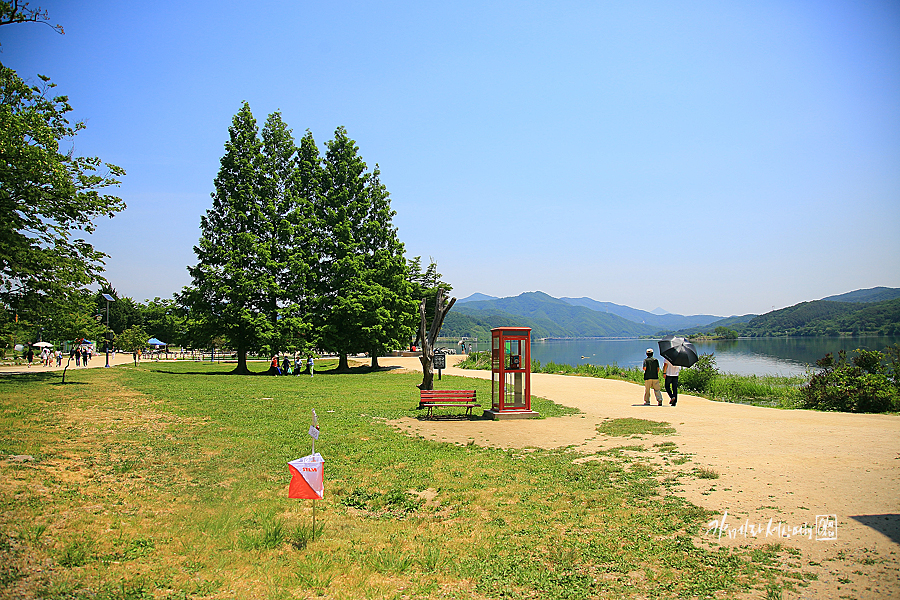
(314, 428)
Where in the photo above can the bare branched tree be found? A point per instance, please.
(428, 338)
(18, 12)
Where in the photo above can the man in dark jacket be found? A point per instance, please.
(651, 378)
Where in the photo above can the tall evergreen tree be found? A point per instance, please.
(363, 301)
(232, 281)
(289, 212)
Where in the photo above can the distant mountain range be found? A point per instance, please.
(875, 310)
(660, 321)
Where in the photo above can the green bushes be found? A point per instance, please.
(613, 371)
(867, 383)
(698, 377)
(772, 390)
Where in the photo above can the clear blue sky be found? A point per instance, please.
(705, 157)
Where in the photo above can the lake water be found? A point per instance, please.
(750, 356)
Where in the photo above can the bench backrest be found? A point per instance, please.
(447, 395)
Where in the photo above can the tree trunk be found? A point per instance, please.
(343, 363)
(428, 339)
(241, 368)
(374, 364)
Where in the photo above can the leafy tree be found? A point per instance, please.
(363, 297)
(132, 340)
(164, 320)
(123, 312)
(73, 318)
(232, 285)
(47, 196)
(725, 332)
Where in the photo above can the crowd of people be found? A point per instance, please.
(285, 367)
(48, 357)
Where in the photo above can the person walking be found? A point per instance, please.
(651, 378)
(309, 365)
(274, 369)
(671, 372)
(297, 365)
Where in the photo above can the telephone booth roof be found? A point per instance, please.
(512, 331)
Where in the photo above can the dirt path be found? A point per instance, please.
(787, 466)
(98, 360)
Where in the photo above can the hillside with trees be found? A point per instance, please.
(548, 317)
(819, 317)
(876, 294)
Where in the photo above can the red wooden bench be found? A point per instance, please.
(431, 399)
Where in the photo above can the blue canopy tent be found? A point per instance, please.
(155, 342)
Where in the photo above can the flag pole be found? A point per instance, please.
(315, 425)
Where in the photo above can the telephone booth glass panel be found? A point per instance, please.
(510, 369)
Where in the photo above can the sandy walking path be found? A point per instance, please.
(777, 469)
(98, 360)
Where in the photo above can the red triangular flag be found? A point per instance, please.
(307, 477)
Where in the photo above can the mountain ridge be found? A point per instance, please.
(549, 317)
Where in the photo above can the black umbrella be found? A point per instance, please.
(678, 351)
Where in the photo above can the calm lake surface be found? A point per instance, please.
(750, 356)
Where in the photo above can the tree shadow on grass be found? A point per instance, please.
(205, 373)
(49, 377)
(357, 370)
(30, 377)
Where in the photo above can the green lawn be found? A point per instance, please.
(169, 480)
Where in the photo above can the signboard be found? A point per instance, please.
(440, 360)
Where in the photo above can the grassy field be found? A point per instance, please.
(169, 480)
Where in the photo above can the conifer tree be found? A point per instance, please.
(232, 284)
(289, 213)
(363, 301)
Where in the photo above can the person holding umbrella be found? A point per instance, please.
(678, 353)
(671, 372)
(651, 378)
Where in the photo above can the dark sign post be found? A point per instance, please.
(440, 362)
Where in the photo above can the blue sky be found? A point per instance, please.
(705, 157)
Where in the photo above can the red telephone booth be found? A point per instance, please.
(510, 373)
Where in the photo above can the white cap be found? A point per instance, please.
(649, 351)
